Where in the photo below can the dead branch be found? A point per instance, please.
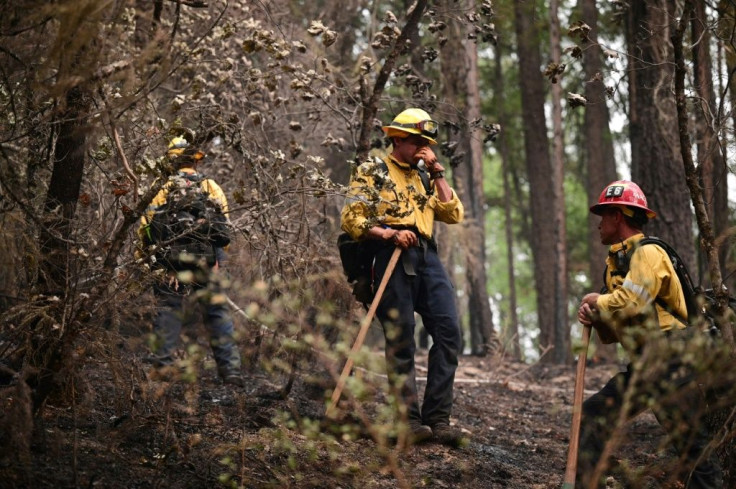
(705, 227)
(124, 160)
(370, 103)
(190, 3)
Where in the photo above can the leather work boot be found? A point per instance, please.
(419, 432)
(232, 377)
(449, 435)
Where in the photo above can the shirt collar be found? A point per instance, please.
(628, 243)
(401, 164)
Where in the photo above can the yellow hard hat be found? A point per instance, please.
(179, 146)
(413, 121)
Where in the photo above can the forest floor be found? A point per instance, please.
(131, 427)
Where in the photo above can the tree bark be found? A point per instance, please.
(600, 163)
(562, 352)
(63, 193)
(727, 38)
(461, 77)
(51, 352)
(510, 332)
(656, 160)
(711, 163)
(539, 169)
(719, 417)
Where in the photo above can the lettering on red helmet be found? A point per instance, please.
(614, 191)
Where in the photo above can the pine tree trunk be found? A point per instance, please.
(510, 332)
(52, 349)
(461, 75)
(562, 352)
(539, 171)
(712, 166)
(598, 153)
(718, 364)
(656, 161)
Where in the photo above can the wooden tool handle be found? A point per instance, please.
(363, 331)
(577, 412)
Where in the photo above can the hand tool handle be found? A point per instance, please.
(577, 412)
(363, 331)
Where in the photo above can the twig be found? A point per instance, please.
(124, 160)
(191, 3)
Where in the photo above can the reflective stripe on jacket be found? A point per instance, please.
(630, 298)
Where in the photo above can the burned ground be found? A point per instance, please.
(133, 426)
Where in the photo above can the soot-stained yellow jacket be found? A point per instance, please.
(394, 200)
(209, 187)
(627, 306)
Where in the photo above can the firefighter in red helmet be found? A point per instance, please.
(642, 306)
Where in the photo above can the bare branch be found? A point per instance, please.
(124, 160)
(370, 104)
(191, 3)
(707, 238)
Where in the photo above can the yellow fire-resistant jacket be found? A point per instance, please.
(627, 307)
(209, 187)
(394, 200)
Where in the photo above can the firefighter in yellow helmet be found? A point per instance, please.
(203, 253)
(642, 307)
(404, 217)
(413, 121)
(181, 153)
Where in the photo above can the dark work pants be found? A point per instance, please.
(176, 310)
(678, 406)
(430, 293)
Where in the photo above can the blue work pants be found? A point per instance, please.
(176, 309)
(420, 284)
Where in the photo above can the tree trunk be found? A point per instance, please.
(562, 350)
(719, 367)
(461, 77)
(713, 169)
(598, 153)
(656, 161)
(63, 193)
(51, 350)
(53, 333)
(510, 340)
(539, 170)
(726, 25)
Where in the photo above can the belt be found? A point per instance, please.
(422, 242)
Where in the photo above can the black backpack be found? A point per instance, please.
(188, 227)
(357, 256)
(701, 304)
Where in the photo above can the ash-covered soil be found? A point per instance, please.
(132, 426)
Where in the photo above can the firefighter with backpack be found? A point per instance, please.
(643, 307)
(389, 205)
(184, 231)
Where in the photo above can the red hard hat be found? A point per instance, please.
(622, 193)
